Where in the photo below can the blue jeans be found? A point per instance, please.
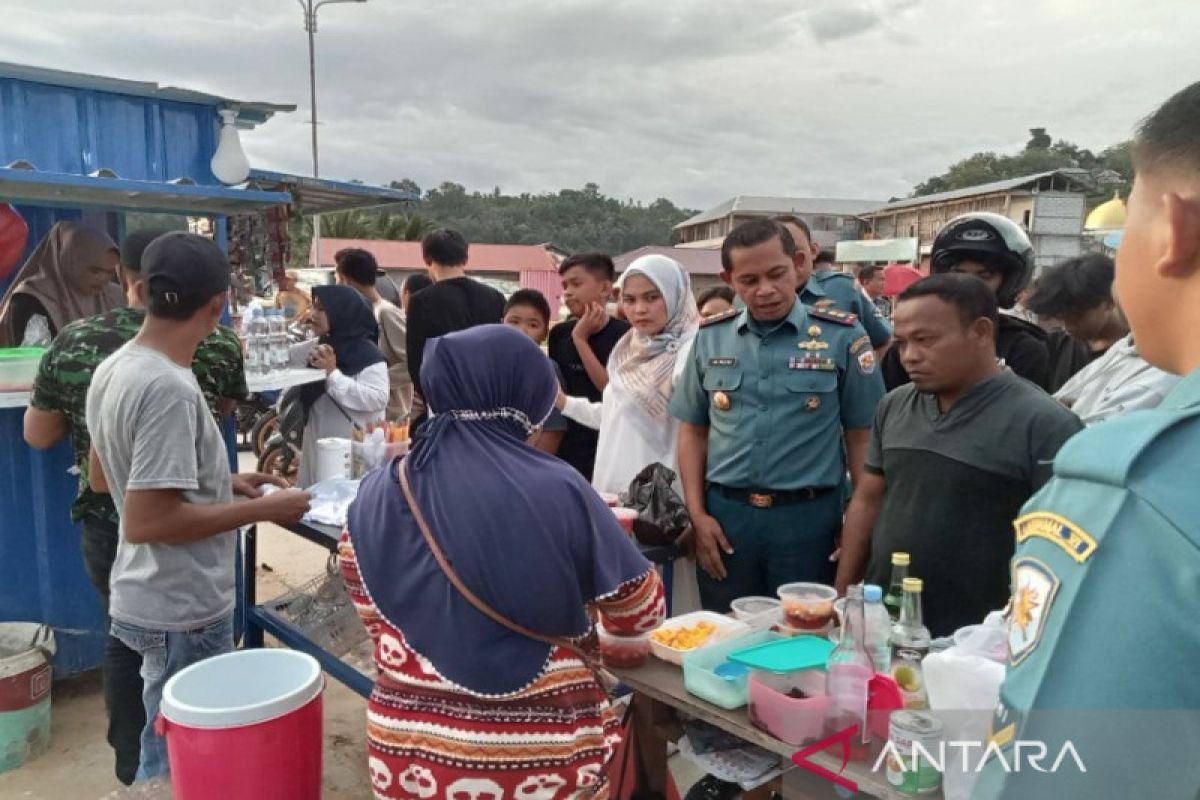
(164, 654)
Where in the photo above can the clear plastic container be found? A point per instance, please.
(623, 652)
(790, 707)
(724, 628)
(807, 606)
(700, 677)
(625, 516)
(747, 608)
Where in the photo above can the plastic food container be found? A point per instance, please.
(724, 628)
(623, 652)
(625, 516)
(790, 707)
(18, 367)
(747, 608)
(610, 499)
(699, 671)
(808, 606)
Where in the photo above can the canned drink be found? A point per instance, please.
(909, 771)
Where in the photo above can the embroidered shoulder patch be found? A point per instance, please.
(860, 344)
(1034, 588)
(724, 317)
(866, 362)
(833, 315)
(1078, 543)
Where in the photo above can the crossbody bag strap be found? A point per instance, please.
(466, 592)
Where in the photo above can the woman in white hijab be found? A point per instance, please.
(635, 428)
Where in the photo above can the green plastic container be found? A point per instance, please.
(26, 650)
(700, 679)
(785, 655)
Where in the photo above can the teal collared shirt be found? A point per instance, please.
(1103, 634)
(829, 289)
(776, 397)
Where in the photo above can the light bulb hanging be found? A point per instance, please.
(229, 163)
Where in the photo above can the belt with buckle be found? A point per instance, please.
(760, 498)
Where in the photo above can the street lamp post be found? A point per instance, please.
(310, 25)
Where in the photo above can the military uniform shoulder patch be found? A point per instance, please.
(833, 315)
(722, 317)
(860, 344)
(1034, 588)
(1078, 543)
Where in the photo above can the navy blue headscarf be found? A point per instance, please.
(353, 334)
(523, 530)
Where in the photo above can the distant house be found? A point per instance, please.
(505, 266)
(830, 219)
(1050, 206)
(704, 266)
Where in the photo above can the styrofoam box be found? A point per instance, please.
(727, 627)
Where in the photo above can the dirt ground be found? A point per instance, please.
(79, 764)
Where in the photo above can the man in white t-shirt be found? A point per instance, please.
(158, 451)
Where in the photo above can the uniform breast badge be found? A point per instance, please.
(722, 401)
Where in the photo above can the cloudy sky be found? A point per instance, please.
(694, 100)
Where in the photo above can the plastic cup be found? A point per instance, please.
(610, 499)
(807, 606)
(623, 652)
(745, 608)
(626, 517)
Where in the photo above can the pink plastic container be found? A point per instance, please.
(245, 726)
(626, 516)
(790, 719)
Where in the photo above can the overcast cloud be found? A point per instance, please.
(694, 100)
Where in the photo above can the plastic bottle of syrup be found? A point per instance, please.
(895, 591)
(848, 673)
(910, 645)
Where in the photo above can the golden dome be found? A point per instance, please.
(1107, 216)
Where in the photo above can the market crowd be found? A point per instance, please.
(814, 426)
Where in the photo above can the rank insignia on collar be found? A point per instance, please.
(1034, 588)
(1078, 543)
(813, 344)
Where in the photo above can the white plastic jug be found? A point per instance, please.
(333, 458)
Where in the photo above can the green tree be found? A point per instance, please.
(1038, 139)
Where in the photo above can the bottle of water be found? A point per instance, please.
(848, 673)
(879, 628)
(279, 345)
(259, 360)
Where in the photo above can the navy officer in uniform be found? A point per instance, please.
(764, 399)
(824, 288)
(1104, 639)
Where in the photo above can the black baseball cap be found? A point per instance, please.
(185, 264)
(135, 244)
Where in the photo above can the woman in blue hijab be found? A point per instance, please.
(355, 390)
(464, 705)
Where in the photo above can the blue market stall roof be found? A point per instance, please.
(23, 184)
(320, 196)
(249, 113)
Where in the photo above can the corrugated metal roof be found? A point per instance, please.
(695, 260)
(986, 188)
(482, 257)
(749, 204)
(321, 196)
(250, 113)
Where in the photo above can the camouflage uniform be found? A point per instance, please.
(66, 372)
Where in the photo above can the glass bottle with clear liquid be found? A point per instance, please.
(895, 590)
(848, 675)
(910, 645)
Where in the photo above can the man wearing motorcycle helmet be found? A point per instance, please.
(998, 251)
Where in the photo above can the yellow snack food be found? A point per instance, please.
(687, 638)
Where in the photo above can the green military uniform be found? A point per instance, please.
(775, 398)
(1103, 635)
(829, 289)
(66, 372)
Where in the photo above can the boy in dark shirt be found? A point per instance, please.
(581, 346)
(454, 303)
(529, 312)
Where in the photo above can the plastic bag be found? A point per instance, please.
(331, 499)
(964, 690)
(37, 332)
(662, 515)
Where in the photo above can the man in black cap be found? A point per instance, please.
(158, 451)
(57, 410)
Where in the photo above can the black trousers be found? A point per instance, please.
(122, 666)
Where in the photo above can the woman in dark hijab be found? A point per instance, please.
(71, 275)
(465, 706)
(355, 389)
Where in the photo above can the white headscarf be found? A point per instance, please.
(646, 364)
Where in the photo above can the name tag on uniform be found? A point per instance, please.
(811, 362)
(722, 361)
